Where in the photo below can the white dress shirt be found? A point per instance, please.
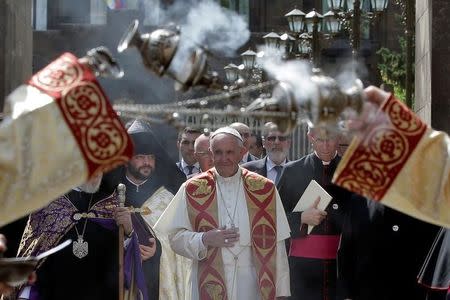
(185, 169)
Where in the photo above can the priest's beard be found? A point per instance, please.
(141, 173)
(92, 185)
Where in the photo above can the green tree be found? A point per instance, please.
(392, 66)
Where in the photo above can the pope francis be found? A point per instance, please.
(232, 224)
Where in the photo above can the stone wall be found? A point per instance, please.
(16, 45)
(432, 99)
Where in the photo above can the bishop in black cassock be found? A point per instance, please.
(382, 251)
(89, 268)
(312, 257)
(156, 175)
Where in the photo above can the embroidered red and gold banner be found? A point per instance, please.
(373, 161)
(96, 127)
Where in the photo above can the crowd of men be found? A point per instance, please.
(220, 224)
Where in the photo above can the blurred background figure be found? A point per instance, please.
(202, 153)
(188, 163)
(277, 147)
(245, 133)
(256, 146)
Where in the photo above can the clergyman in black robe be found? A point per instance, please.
(149, 172)
(89, 268)
(312, 257)
(382, 251)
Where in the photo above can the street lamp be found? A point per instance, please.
(351, 4)
(313, 18)
(314, 26)
(347, 11)
(272, 40)
(231, 72)
(248, 59)
(379, 5)
(287, 43)
(331, 22)
(296, 20)
(336, 4)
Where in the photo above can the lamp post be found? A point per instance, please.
(231, 72)
(248, 59)
(356, 26)
(296, 20)
(352, 11)
(272, 40)
(331, 22)
(314, 26)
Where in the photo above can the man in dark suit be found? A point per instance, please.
(277, 147)
(245, 133)
(312, 257)
(188, 163)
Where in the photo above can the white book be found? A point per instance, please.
(313, 190)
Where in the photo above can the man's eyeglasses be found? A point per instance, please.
(281, 138)
(202, 153)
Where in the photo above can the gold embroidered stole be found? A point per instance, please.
(203, 214)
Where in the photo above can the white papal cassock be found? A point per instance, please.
(240, 276)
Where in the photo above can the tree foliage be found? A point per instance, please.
(392, 66)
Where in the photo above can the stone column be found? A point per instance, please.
(432, 93)
(40, 14)
(16, 45)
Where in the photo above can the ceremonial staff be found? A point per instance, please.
(121, 188)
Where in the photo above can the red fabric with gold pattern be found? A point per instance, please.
(96, 127)
(203, 214)
(261, 203)
(380, 154)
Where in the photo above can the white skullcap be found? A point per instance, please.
(227, 130)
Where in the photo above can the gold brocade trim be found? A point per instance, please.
(93, 122)
(373, 161)
(261, 204)
(203, 215)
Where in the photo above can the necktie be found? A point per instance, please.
(190, 169)
(278, 169)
